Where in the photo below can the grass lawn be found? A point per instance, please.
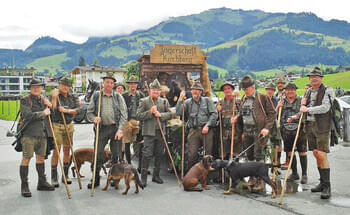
(9, 109)
(341, 80)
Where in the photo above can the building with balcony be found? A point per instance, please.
(15, 81)
(82, 74)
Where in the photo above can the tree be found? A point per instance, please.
(133, 69)
(82, 61)
(213, 74)
(83, 87)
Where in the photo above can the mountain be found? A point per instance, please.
(233, 39)
(41, 48)
(279, 46)
(47, 46)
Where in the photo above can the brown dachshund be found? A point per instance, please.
(198, 174)
(87, 154)
(126, 171)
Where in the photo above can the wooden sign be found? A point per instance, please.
(177, 54)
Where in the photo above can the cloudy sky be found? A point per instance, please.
(23, 21)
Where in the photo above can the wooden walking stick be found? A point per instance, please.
(59, 158)
(229, 191)
(277, 148)
(164, 139)
(70, 144)
(183, 141)
(96, 142)
(222, 147)
(280, 111)
(291, 159)
(275, 164)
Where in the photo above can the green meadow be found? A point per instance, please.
(9, 109)
(341, 80)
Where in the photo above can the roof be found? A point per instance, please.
(17, 70)
(143, 56)
(98, 68)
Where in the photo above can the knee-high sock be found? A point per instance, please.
(303, 163)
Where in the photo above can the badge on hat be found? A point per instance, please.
(155, 84)
(315, 72)
(66, 81)
(197, 86)
(109, 75)
(132, 79)
(281, 80)
(270, 86)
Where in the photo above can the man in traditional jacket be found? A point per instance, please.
(34, 111)
(316, 106)
(151, 108)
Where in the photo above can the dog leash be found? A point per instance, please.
(240, 154)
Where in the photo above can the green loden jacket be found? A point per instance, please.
(32, 109)
(149, 121)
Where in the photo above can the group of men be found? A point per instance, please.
(35, 110)
(279, 116)
(252, 119)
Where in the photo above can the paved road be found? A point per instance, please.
(167, 198)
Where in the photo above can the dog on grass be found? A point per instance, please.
(198, 174)
(87, 154)
(123, 170)
(237, 171)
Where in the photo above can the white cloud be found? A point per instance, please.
(22, 21)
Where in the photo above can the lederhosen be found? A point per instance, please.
(317, 131)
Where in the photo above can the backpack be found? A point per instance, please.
(336, 115)
(21, 125)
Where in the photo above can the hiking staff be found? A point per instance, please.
(183, 141)
(222, 148)
(96, 141)
(280, 111)
(163, 136)
(291, 159)
(70, 144)
(277, 147)
(204, 143)
(59, 158)
(275, 164)
(232, 132)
